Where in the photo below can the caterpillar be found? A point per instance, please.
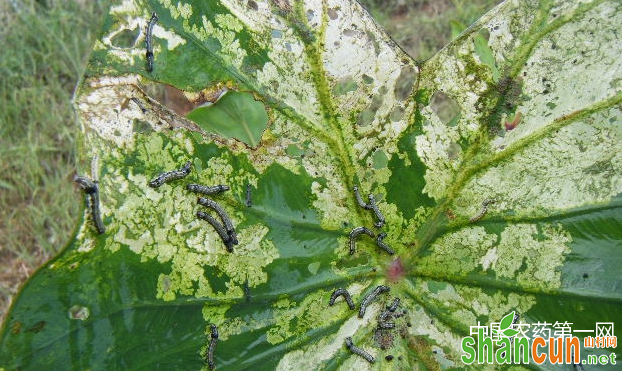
(394, 305)
(370, 297)
(383, 320)
(359, 200)
(247, 291)
(483, 211)
(226, 239)
(223, 215)
(148, 41)
(248, 195)
(207, 190)
(212, 346)
(354, 234)
(372, 203)
(346, 296)
(87, 185)
(97, 219)
(514, 321)
(577, 366)
(382, 245)
(358, 351)
(171, 175)
(370, 206)
(91, 190)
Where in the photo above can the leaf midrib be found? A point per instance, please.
(329, 112)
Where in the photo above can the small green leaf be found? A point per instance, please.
(234, 115)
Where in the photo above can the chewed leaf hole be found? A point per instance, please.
(447, 110)
(235, 115)
(405, 82)
(125, 39)
(367, 116)
(344, 86)
(379, 159)
(170, 97)
(79, 312)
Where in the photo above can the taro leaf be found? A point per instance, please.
(142, 295)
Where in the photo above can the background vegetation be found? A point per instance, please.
(43, 48)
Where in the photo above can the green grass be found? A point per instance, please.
(44, 47)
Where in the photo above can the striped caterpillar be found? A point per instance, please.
(97, 219)
(346, 296)
(148, 41)
(226, 239)
(223, 215)
(212, 346)
(394, 305)
(91, 190)
(514, 321)
(370, 297)
(247, 291)
(483, 211)
(577, 366)
(355, 233)
(87, 185)
(171, 175)
(207, 190)
(382, 245)
(387, 314)
(372, 204)
(384, 318)
(516, 317)
(358, 351)
(248, 196)
(359, 200)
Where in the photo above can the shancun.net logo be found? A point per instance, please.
(508, 342)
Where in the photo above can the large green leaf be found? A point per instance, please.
(143, 295)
